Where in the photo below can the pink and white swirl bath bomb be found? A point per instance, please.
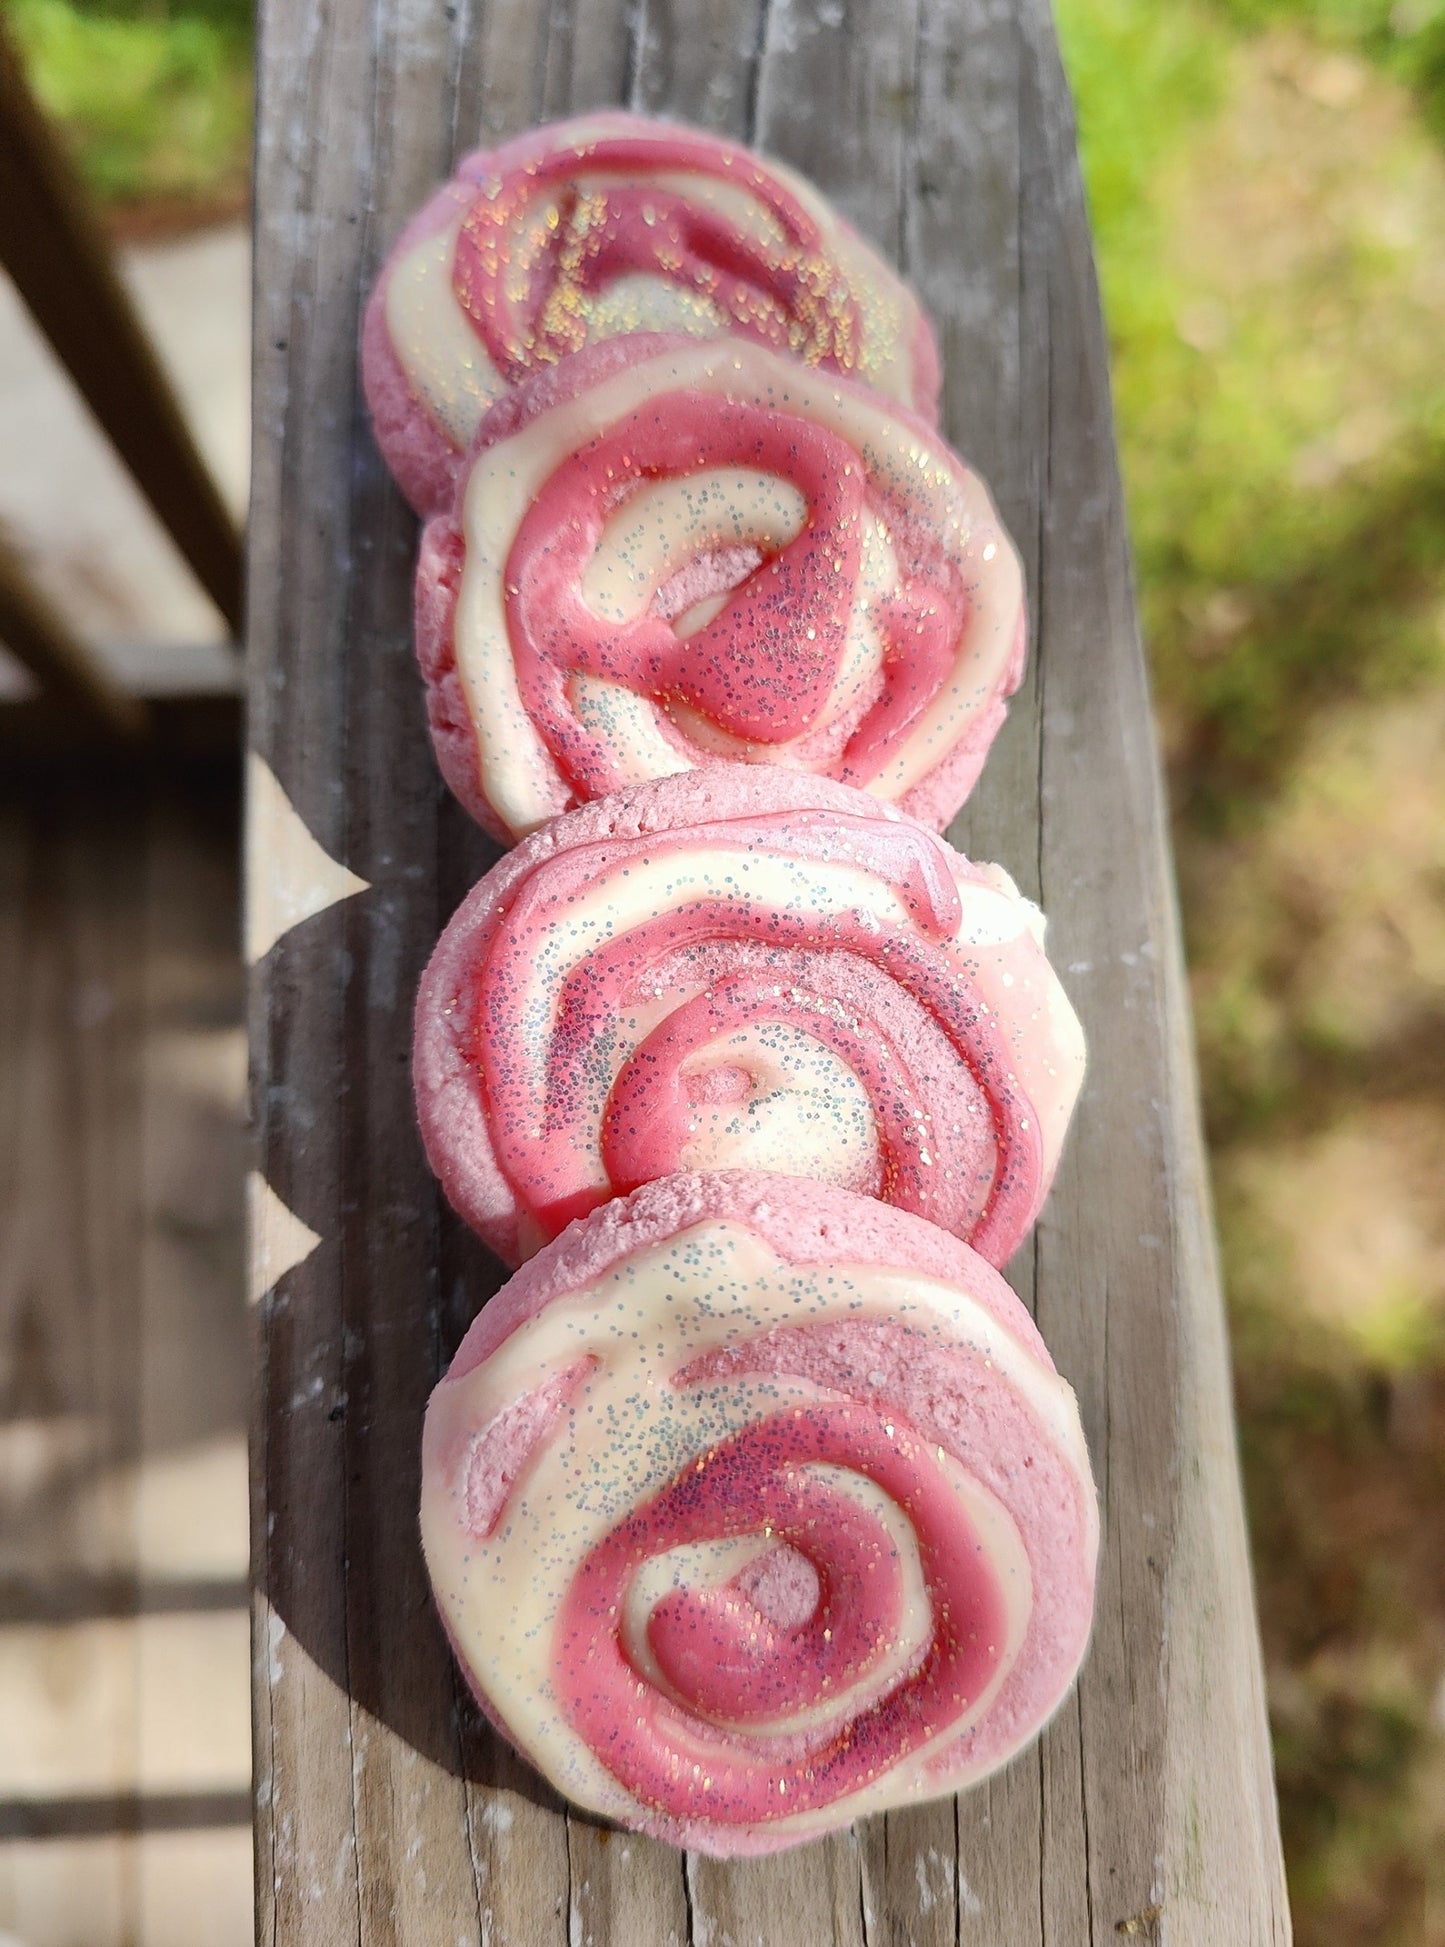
(592, 229)
(752, 969)
(664, 554)
(752, 1507)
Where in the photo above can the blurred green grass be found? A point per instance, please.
(153, 95)
(1267, 183)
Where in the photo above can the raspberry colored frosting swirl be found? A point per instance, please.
(751, 1508)
(744, 969)
(666, 554)
(589, 230)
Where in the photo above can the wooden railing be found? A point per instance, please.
(1146, 1812)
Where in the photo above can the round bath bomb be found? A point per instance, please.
(592, 229)
(745, 969)
(751, 1507)
(664, 554)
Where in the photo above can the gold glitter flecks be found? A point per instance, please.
(542, 251)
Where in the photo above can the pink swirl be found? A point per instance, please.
(654, 1100)
(610, 217)
(722, 1659)
(791, 1516)
(746, 669)
(743, 969)
(698, 554)
(580, 233)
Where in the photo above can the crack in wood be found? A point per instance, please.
(688, 1865)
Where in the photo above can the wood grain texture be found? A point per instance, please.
(386, 1811)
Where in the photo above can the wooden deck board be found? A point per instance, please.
(386, 1811)
(124, 1767)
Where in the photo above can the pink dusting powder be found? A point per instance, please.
(498, 1455)
(782, 1585)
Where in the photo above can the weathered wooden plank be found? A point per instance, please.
(320, 1751)
(123, 1755)
(70, 1298)
(386, 1811)
(700, 63)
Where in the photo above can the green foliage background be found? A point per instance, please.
(1268, 193)
(155, 95)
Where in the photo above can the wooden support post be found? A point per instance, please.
(65, 669)
(53, 248)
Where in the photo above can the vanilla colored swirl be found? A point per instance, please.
(694, 553)
(586, 231)
(737, 1548)
(751, 972)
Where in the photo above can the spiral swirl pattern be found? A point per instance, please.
(588, 230)
(744, 969)
(664, 555)
(750, 1513)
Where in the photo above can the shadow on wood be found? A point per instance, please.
(76, 1817)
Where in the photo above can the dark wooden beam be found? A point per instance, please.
(58, 256)
(68, 674)
(194, 742)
